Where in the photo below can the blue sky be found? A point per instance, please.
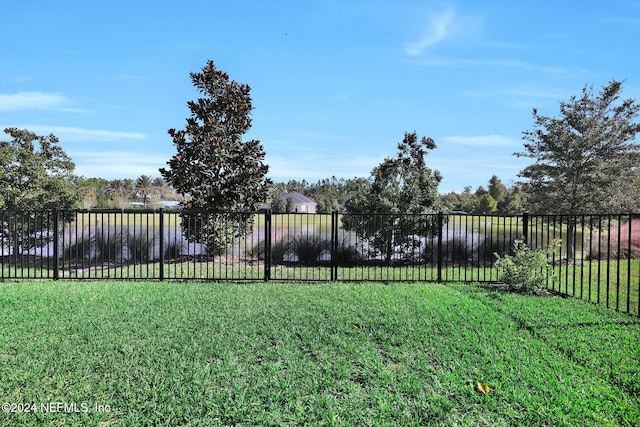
(335, 83)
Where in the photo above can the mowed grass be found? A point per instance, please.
(152, 353)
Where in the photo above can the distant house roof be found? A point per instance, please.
(297, 198)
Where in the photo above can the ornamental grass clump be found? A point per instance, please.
(527, 270)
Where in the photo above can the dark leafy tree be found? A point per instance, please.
(288, 206)
(625, 193)
(398, 186)
(460, 202)
(93, 192)
(35, 174)
(213, 166)
(297, 186)
(486, 205)
(480, 191)
(451, 201)
(278, 206)
(353, 187)
(497, 189)
(514, 202)
(329, 193)
(276, 192)
(580, 156)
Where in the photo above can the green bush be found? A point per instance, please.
(108, 245)
(492, 245)
(309, 247)
(458, 251)
(77, 249)
(139, 246)
(279, 249)
(527, 270)
(172, 250)
(345, 254)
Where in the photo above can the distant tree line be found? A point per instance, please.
(331, 194)
(334, 194)
(497, 198)
(124, 193)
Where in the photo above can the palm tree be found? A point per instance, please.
(145, 188)
(119, 191)
(164, 190)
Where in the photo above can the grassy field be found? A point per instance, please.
(147, 353)
(613, 284)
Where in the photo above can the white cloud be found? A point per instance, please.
(320, 166)
(480, 140)
(448, 61)
(117, 164)
(32, 100)
(439, 27)
(71, 134)
(313, 155)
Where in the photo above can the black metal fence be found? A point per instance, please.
(598, 258)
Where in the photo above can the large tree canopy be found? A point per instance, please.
(399, 185)
(584, 156)
(213, 166)
(402, 184)
(35, 173)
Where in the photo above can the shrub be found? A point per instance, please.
(172, 250)
(458, 251)
(526, 270)
(279, 249)
(77, 249)
(345, 254)
(309, 247)
(488, 249)
(429, 253)
(139, 246)
(256, 251)
(108, 245)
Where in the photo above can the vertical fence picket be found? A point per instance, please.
(267, 245)
(439, 252)
(56, 246)
(161, 244)
(334, 245)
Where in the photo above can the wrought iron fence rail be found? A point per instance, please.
(598, 259)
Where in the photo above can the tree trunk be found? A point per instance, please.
(389, 249)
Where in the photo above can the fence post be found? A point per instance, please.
(56, 244)
(161, 244)
(267, 245)
(525, 228)
(440, 221)
(334, 246)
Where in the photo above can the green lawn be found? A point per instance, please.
(151, 353)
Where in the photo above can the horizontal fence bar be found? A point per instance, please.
(598, 258)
